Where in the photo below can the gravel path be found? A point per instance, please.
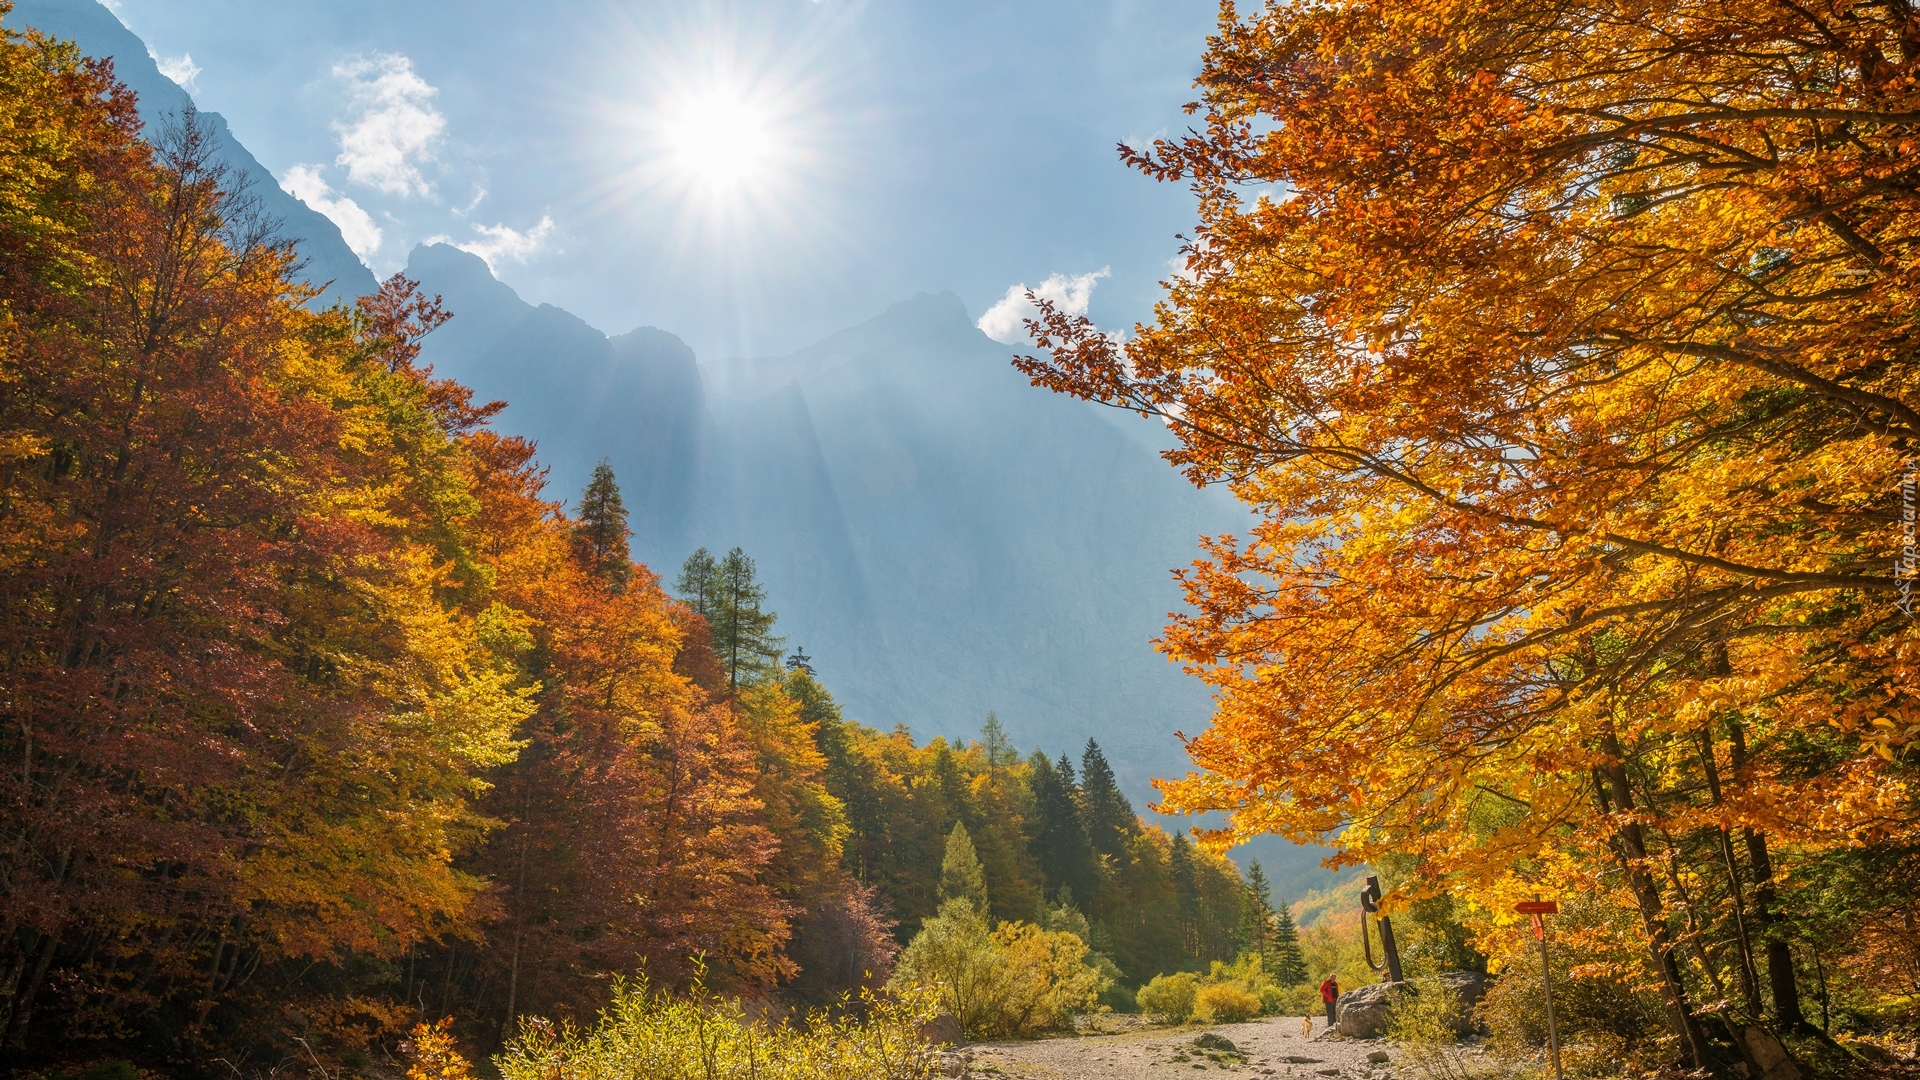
(1273, 1047)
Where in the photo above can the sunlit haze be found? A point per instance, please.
(748, 175)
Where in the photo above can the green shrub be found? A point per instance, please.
(1170, 997)
(644, 1034)
(1016, 980)
(1225, 1003)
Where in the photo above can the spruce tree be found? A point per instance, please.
(1110, 819)
(1186, 895)
(1289, 965)
(1057, 834)
(961, 877)
(601, 532)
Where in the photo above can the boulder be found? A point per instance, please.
(1210, 1041)
(944, 1030)
(1363, 1013)
(1766, 1057)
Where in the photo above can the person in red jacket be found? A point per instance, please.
(1330, 993)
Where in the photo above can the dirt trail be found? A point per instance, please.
(1271, 1048)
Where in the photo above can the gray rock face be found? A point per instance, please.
(1363, 1012)
(1468, 987)
(944, 1030)
(330, 264)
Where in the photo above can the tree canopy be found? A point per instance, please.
(1564, 350)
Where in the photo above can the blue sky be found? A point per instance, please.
(748, 175)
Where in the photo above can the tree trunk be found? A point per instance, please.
(1780, 981)
(1630, 848)
(1749, 974)
(23, 1010)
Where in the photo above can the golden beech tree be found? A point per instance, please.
(1566, 353)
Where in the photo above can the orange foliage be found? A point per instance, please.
(1570, 367)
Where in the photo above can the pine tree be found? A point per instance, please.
(602, 532)
(1111, 823)
(961, 877)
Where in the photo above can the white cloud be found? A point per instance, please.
(180, 69)
(394, 128)
(1070, 294)
(499, 242)
(305, 183)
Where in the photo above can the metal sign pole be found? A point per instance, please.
(1538, 908)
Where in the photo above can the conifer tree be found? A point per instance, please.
(602, 529)
(999, 748)
(961, 877)
(1256, 914)
(1110, 819)
(698, 583)
(1186, 894)
(725, 593)
(1289, 962)
(1058, 832)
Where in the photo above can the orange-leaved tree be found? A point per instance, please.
(1565, 351)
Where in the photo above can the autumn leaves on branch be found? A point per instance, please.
(1567, 354)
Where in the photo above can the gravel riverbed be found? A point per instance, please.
(1125, 1049)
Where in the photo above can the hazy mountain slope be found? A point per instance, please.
(581, 395)
(941, 537)
(329, 262)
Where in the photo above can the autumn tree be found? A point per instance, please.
(249, 700)
(1563, 350)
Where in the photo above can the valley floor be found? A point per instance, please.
(1125, 1049)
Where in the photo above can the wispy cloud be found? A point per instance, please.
(498, 243)
(305, 183)
(393, 129)
(1069, 293)
(180, 69)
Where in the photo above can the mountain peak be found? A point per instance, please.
(934, 311)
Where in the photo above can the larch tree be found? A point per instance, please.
(961, 877)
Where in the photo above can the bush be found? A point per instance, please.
(644, 1034)
(1225, 1003)
(1170, 997)
(1425, 1024)
(1611, 1020)
(1016, 980)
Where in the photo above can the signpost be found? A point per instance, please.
(1537, 908)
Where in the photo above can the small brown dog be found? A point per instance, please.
(1306, 1026)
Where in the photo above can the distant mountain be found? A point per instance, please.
(99, 33)
(943, 538)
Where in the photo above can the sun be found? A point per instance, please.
(720, 140)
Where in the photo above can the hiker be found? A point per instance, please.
(1330, 993)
